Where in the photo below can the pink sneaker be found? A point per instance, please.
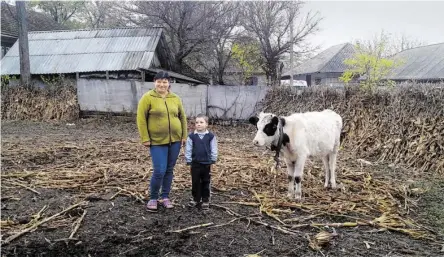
(151, 206)
(167, 203)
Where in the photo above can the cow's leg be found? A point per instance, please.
(332, 161)
(298, 174)
(327, 170)
(290, 172)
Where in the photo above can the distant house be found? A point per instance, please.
(422, 64)
(9, 27)
(325, 68)
(119, 53)
(232, 76)
(235, 76)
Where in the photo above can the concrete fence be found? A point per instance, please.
(219, 102)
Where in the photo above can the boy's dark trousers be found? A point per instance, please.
(200, 178)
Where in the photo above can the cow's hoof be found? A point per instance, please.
(327, 185)
(290, 195)
(298, 198)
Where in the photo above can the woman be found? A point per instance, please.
(162, 125)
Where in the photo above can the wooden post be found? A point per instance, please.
(143, 76)
(207, 108)
(291, 52)
(25, 70)
(77, 75)
(107, 75)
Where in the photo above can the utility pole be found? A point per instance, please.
(25, 70)
(291, 51)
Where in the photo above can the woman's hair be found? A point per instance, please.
(162, 75)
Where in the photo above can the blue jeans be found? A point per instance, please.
(164, 159)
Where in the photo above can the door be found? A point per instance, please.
(308, 79)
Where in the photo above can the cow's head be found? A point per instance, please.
(267, 126)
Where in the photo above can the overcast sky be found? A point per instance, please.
(345, 21)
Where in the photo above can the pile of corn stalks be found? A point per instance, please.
(402, 125)
(20, 103)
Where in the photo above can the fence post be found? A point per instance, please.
(206, 102)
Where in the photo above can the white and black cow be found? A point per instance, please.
(302, 135)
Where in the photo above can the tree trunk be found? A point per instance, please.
(272, 73)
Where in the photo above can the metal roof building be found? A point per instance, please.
(95, 50)
(324, 68)
(330, 60)
(424, 63)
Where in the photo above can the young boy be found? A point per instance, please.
(200, 153)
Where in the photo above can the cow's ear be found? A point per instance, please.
(275, 120)
(253, 120)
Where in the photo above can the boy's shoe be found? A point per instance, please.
(151, 206)
(192, 203)
(205, 206)
(167, 203)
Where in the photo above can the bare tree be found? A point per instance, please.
(391, 44)
(189, 25)
(102, 14)
(97, 13)
(216, 54)
(270, 22)
(404, 42)
(60, 11)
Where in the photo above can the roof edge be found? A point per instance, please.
(73, 30)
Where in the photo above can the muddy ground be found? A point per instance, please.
(120, 225)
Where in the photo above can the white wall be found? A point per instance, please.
(234, 102)
(226, 102)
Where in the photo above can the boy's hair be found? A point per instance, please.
(203, 116)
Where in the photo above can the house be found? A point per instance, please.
(232, 75)
(324, 68)
(422, 64)
(9, 28)
(118, 53)
(235, 76)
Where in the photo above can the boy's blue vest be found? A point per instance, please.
(201, 148)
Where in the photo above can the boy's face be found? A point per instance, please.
(201, 124)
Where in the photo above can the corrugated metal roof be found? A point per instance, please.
(71, 51)
(420, 63)
(329, 60)
(173, 74)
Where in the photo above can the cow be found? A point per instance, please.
(300, 136)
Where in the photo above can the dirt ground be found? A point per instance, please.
(48, 167)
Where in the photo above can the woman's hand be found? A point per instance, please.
(184, 141)
(147, 143)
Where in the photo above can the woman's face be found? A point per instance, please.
(162, 85)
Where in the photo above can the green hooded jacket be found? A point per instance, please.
(161, 120)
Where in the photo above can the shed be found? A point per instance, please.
(119, 53)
